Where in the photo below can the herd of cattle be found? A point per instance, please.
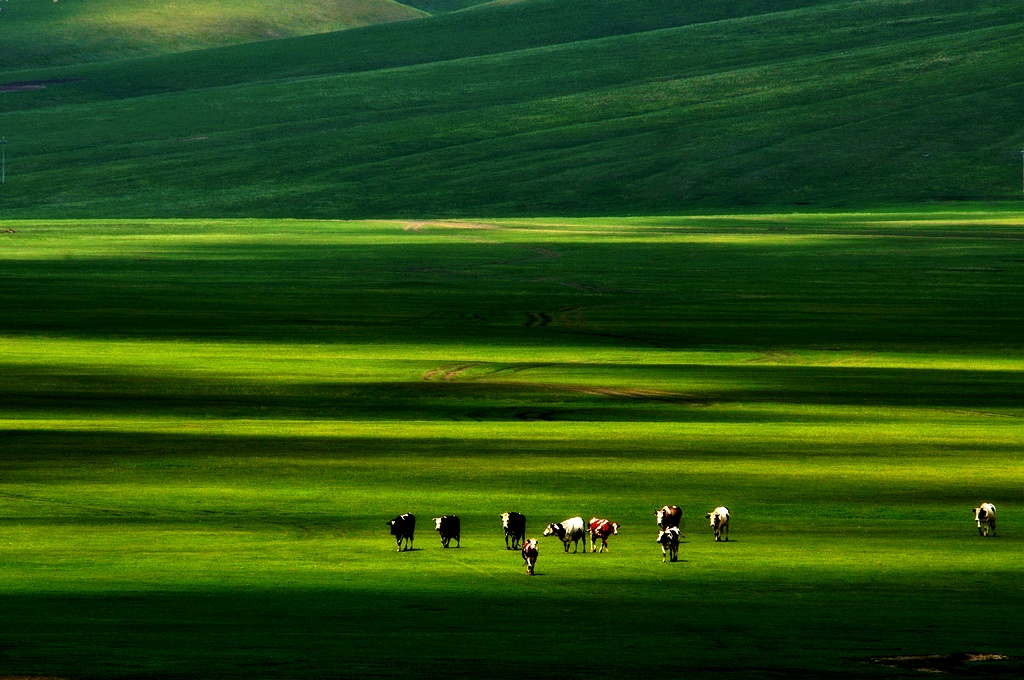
(574, 530)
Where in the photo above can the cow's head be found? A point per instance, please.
(504, 519)
(715, 517)
(615, 528)
(660, 516)
(437, 523)
(530, 545)
(554, 530)
(666, 536)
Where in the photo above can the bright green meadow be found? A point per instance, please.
(206, 424)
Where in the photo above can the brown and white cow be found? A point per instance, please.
(668, 516)
(719, 522)
(569, 531)
(530, 555)
(403, 527)
(668, 539)
(602, 528)
(449, 527)
(985, 516)
(514, 524)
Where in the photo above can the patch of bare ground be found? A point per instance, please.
(35, 85)
(960, 663)
(569, 317)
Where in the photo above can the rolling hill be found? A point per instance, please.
(41, 32)
(539, 107)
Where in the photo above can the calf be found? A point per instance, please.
(602, 528)
(719, 522)
(668, 539)
(985, 516)
(403, 527)
(514, 524)
(449, 527)
(530, 555)
(569, 531)
(668, 516)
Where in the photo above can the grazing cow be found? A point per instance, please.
(403, 527)
(668, 516)
(668, 539)
(719, 522)
(602, 528)
(569, 531)
(530, 555)
(985, 516)
(449, 527)
(514, 524)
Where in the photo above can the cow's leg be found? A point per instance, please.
(663, 552)
(506, 543)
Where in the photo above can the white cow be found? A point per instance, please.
(569, 531)
(985, 516)
(719, 522)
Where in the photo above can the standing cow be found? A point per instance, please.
(719, 522)
(668, 516)
(569, 531)
(602, 528)
(514, 524)
(403, 527)
(985, 516)
(449, 527)
(530, 555)
(668, 539)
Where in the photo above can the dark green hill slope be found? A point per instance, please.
(672, 107)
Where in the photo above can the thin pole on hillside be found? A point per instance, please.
(3, 161)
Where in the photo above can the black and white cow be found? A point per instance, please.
(985, 516)
(668, 539)
(403, 527)
(530, 555)
(449, 527)
(719, 522)
(514, 524)
(569, 531)
(668, 516)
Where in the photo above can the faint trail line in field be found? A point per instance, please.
(676, 398)
(490, 573)
(773, 357)
(967, 412)
(421, 224)
(447, 372)
(118, 512)
(457, 371)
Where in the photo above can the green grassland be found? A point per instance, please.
(205, 425)
(541, 108)
(43, 33)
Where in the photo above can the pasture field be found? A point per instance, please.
(206, 424)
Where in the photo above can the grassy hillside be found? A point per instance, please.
(205, 426)
(542, 107)
(40, 32)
